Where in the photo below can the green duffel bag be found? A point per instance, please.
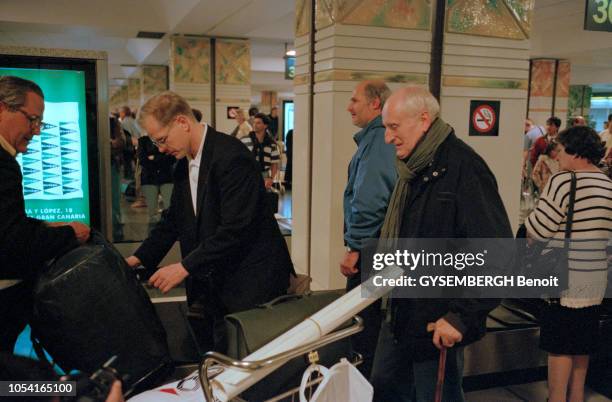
(249, 330)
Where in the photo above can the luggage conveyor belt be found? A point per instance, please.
(511, 343)
(512, 339)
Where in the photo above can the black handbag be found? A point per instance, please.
(554, 262)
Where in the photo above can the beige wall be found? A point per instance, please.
(479, 68)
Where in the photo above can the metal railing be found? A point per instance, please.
(211, 358)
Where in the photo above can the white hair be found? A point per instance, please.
(415, 99)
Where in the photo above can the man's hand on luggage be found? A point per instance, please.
(348, 265)
(168, 277)
(133, 261)
(444, 334)
(268, 183)
(81, 231)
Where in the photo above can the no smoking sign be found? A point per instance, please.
(484, 118)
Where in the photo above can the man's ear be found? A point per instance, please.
(425, 116)
(182, 120)
(376, 104)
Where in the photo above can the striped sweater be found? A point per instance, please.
(591, 232)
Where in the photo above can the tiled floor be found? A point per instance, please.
(530, 392)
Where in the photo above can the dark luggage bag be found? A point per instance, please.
(89, 306)
(249, 330)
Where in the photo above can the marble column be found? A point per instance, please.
(354, 40)
(134, 89)
(544, 95)
(154, 81)
(190, 71)
(232, 80)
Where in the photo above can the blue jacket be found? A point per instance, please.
(371, 178)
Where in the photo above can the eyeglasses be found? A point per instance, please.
(35, 121)
(163, 139)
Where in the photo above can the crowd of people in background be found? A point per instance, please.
(540, 149)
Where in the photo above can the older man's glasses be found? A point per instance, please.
(35, 121)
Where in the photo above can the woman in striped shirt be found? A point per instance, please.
(569, 328)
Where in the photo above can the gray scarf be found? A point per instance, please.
(407, 169)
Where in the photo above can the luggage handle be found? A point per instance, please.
(281, 299)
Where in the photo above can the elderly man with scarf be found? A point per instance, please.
(444, 190)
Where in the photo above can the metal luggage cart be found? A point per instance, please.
(216, 359)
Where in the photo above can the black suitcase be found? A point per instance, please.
(89, 306)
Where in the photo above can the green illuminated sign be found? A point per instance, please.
(55, 174)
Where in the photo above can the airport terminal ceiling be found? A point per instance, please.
(112, 26)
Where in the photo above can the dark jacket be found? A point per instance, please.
(25, 243)
(232, 244)
(454, 197)
(155, 171)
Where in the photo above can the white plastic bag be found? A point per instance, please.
(341, 383)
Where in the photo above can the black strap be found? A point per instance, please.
(570, 208)
(568, 225)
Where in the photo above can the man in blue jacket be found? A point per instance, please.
(371, 179)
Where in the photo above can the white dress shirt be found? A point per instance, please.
(194, 172)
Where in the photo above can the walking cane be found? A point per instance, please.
(441, 371)
(441, 367)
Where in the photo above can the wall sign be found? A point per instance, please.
(484, 118)
(55, 168)
(598, 15)
(289, 67)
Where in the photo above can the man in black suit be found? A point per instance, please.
(233, 254)
(25, 243)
